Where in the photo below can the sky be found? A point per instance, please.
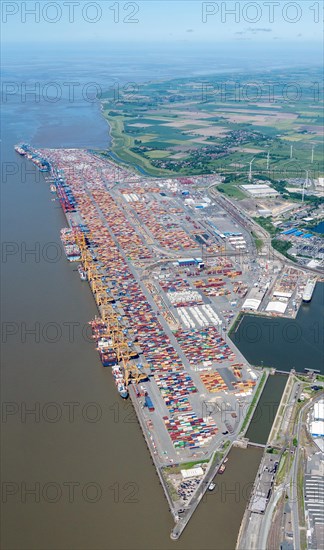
(168, 21)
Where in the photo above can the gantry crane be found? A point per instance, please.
(114, 330)
(131, 371)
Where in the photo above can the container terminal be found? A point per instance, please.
(169, 268)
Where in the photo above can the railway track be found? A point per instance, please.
(248, 223)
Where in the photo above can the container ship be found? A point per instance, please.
(42, 165)
(108, 357)
(309, 289)
(120, 382)
(71, 249)
(122, 390)
(25, 150)
(21, 149)
(65, 195)
(72, 252)
(107, 354)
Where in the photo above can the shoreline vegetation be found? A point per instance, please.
(254, 403)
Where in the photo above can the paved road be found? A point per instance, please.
(294, 473)
(183, 521)
(267, 519)
(293, 489)
(243, 219)
(255, 533)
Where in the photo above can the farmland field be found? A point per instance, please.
(199, 125)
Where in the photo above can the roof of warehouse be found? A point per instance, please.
(256, 186)
(317, 428)
(192, 472)
(319, 410)
(277, 307)
(282, 294)
(251, 303)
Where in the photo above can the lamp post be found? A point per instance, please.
(250, 171)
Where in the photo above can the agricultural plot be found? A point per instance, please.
(191, 126)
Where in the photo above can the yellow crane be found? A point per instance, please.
(131, 371)
(108, 314)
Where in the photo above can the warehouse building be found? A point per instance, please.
(254, 299)
(259, 190)
(316, 420)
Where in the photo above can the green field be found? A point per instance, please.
(190, 125)
(231, 191)
(283, 247)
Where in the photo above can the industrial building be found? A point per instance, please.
(254, 299)
(277, 307)
(316, 420)
(259, 190)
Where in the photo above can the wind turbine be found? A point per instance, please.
(268, 159)
(312, 158)
(291, 151)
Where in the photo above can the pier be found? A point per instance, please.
(177, 379)
(184, 520)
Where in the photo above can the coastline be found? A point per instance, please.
(114, 153)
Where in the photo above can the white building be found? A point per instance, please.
(277, 307)
(259, 190)
(192, 472)
(319, 410)
(317, 429)
(316, 420)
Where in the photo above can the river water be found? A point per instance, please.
(285, 343)
(319, 228)
(75, 468)
(266, 410)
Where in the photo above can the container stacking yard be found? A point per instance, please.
(162, 307)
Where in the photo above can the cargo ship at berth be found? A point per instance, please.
(107, 354)
(309, 289)
(71, 249)
(109, 358)
(115, 343)
(21, 149)
(120, 382)
(42, 165)
(26, 151)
